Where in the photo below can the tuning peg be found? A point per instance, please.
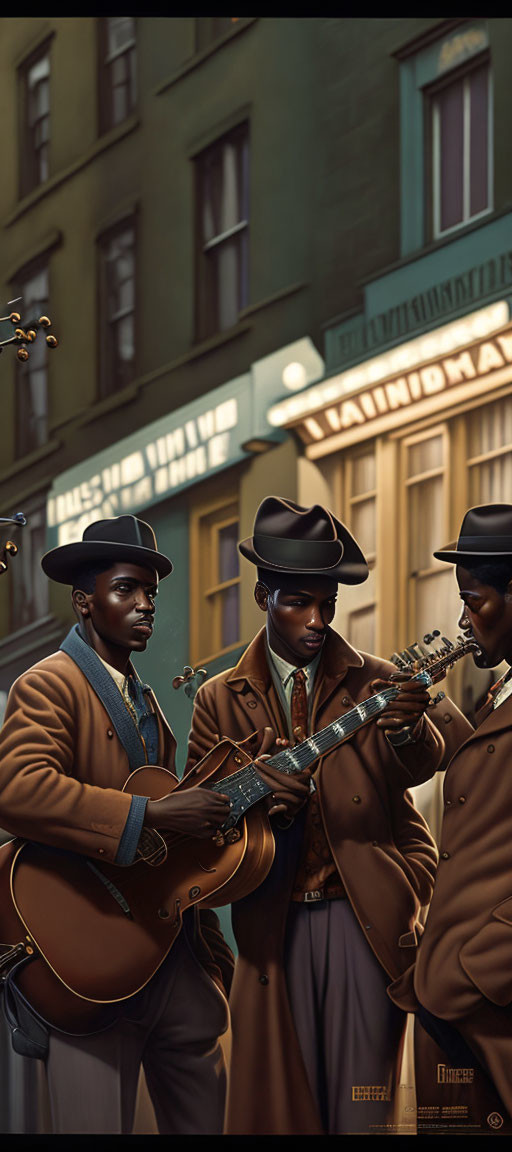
(45, 321)
(31, 335)
(436, 699)
(447, 643)
(20, 334)
(22, 354)
(15, 317)
(52, 341)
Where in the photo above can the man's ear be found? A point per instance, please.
(261, 596)
(80, 601)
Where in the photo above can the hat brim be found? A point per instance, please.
(61, 564)
(453, 555)
(351, 569)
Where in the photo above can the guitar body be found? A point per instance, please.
(96, 945)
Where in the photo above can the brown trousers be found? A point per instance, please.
(171, 1027)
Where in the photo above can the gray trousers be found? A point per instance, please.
(171, 1027)
(349, 1031)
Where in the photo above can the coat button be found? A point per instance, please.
(251, 703)
(448, 803)
(490, 747)
(445, 855)
(375, 843)
(110, 733)
(447, 718)
(101, 851)
(263, 978)
(462, 799)
(346, 700)
(356, 799)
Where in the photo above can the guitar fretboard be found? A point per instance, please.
(245, 787)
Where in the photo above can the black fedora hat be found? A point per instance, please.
(290, 538)
(121, 538)
(486, 533)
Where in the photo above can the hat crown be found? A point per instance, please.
(487, 520)
(290, 538)
(121, 530)
(285, 518)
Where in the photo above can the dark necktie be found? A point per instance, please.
(299, 706)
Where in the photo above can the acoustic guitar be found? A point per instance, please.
(91, 936)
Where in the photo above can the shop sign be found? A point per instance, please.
(477, 365)
(159, 460)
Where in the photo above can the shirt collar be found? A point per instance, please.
(285, 670)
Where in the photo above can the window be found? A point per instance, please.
(117, 307)
(490, 453)
(216, 580)
(461, 149)
(359, 490)
(32, 375)
(429, 581)
(210, 28)
(35, 116)
(446, 162)
(117, 70)
(29, 599)
(223, 232)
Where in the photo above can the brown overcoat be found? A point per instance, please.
(62, 768)
(464, 968)
(382, 847)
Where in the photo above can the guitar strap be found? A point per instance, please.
(108, 693)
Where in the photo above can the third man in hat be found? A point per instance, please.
(463, 978)
(315, 1036)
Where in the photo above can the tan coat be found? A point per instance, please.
(382, 847)
(62, 768)
(464, 969)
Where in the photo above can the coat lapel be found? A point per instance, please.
(103, 685)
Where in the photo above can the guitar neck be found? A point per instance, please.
(245, 787)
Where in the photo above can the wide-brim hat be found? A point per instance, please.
(122, 538)
(290, 538)
(485, 534)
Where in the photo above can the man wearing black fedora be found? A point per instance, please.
(76, 725)
(464, 970)
(315, 1036)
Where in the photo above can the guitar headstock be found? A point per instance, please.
(9, 549)
(433, 655)
(25, 333)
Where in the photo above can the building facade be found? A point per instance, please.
(277, 254)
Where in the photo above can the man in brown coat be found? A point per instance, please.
(315, 1037)
(76, 725)
(464, 970)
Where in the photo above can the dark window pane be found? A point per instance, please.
(228, 552)
(223, 193)
(31, 376)
(451, 154)
(117, 70)
(117, 310)
(230, 615)
(478, 154)
(29, 585)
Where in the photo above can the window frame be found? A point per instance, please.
(106, 347)
(105, 87)
(207, 311)
(227, 511)
(432, 148)
(28, 175)
(37, 577)
(23, 370)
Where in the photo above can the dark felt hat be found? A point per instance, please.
(121, 538)
(290, 538)
(486, 534)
